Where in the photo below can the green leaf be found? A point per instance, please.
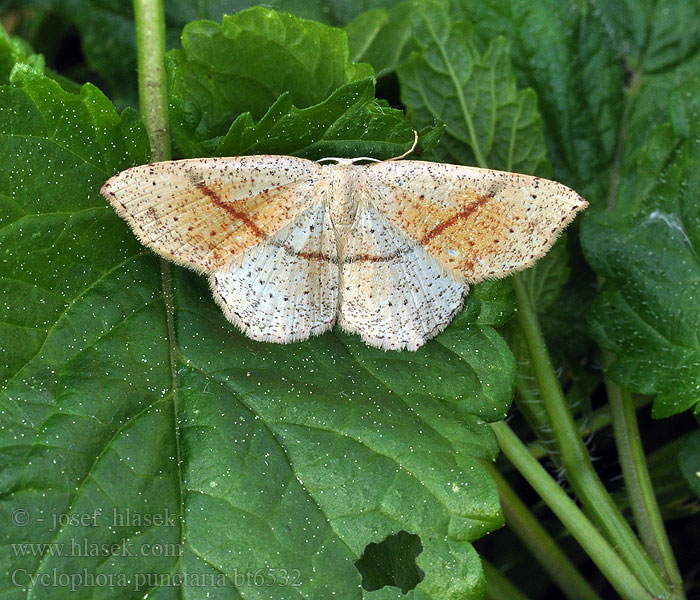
(546, 278)
(655, 34)
(344, 11)
(647, 248)
(496, 302)
(344, 414)
(15, 50)
(382, 37)
(564, 53)
(564, 323)
(650, 106)
(659, 46)
(257, 457)
(488, 121)
(349, 123)
(245, 64)
(109, 38)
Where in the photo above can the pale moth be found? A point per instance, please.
(386, 250)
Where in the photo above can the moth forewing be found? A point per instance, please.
(387, 249)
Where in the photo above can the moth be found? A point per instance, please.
(386, 250)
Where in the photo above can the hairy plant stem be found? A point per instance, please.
(153, 95)
(540, 544)
(574, 456)
(586, 534)
(599, 419)
(153, 100)
(640, 491)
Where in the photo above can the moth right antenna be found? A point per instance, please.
(411, 149)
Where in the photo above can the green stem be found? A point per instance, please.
(153, 97)
(498, 587)
(574, 456)
(153, 100)
(596, 546)
(528, 397)
(540, 544)
(599, 419)
(638, 484)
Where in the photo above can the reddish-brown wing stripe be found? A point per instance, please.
(246, 220)
(318, 256)
(314, 256)
(464, 214)
(230, 210)
(433, 233)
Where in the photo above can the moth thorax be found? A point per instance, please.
(343, 197)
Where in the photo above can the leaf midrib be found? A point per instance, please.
(476, 148)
